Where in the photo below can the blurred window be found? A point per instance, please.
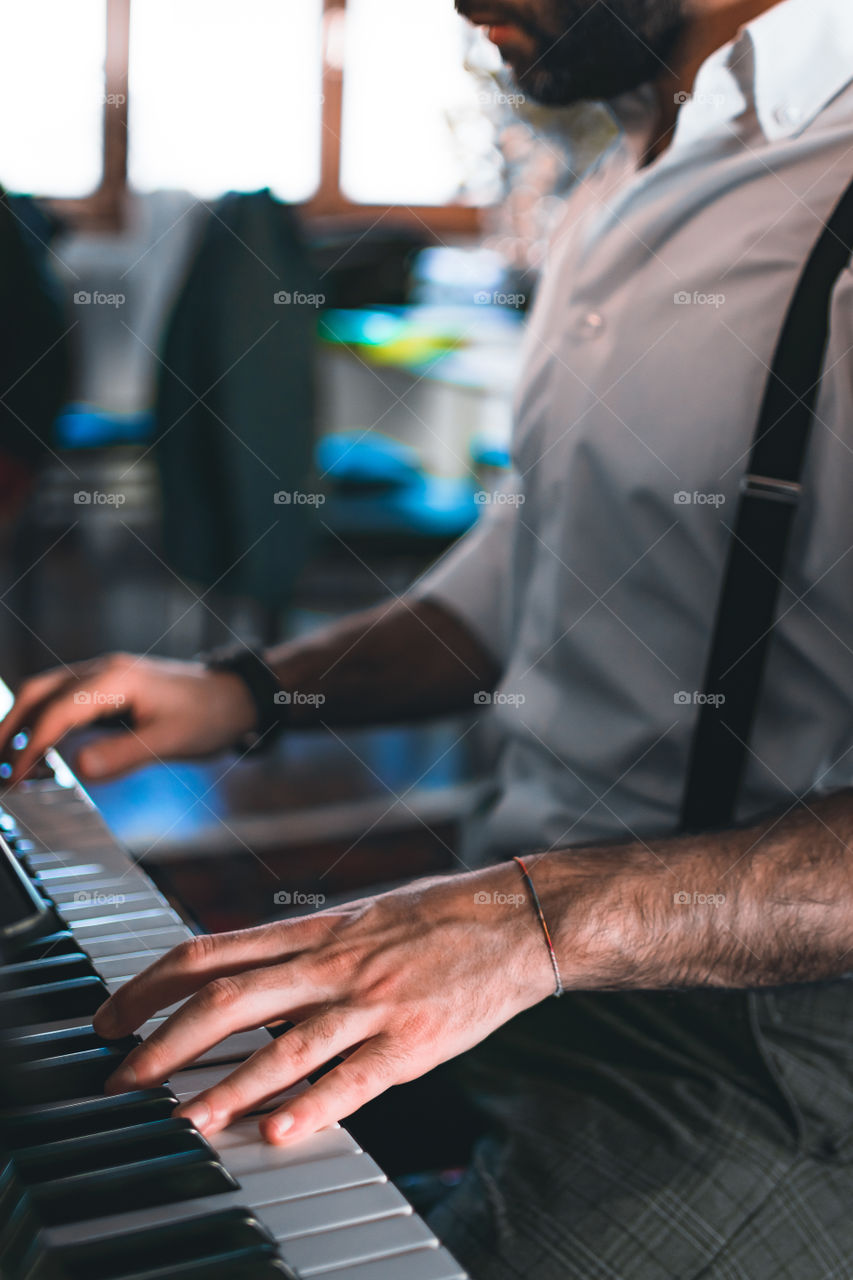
(413, 130)
(226, 95)
(52, 95)
(337, 104)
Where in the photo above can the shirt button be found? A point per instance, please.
(591, 325)
(787, 115)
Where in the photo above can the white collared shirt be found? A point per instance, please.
(646, 358)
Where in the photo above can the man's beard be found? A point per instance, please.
(590, 50)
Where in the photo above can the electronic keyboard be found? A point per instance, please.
(117, 1188)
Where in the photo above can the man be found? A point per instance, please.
(685, 1110)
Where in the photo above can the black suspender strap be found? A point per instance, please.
(769, 498)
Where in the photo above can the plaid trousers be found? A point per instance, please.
(704, 1135)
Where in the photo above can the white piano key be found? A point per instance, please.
(424, 1264)
(110, 889)
(335, 1209)
(156, 941)
(233, 1049)
(106, 926)
(258, 1156)
(330, 1250)
(52, 874)
(194, 1080)
(311, 1179)
(88, 909)
(116, 967)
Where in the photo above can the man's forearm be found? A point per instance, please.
(768, 905)
(406, 660)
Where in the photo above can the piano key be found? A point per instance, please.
(104, 888)
(48, 1161)
(156, 940)
(161, 1180)
(193, 1080)
(31, 1124)
(256, 1156)
(70, 1075)
(424, 1264)
(124, 967)
(256, 1190)
(52, 999)
(91, 908)
(329, 1251)
(217, 1237)
(232, 1049)
(35, 973)
(61, 942)
(313, 1178)
(49, 872)
(334, 1209)
(106, 926)
(29, 1045)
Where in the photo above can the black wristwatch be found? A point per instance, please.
(271, 702)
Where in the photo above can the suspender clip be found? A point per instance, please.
(786, 491)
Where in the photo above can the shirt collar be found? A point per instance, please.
(786, 65)
(801, 58)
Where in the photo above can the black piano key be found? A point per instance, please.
(189, 1175)
(26, 1126)
(66, 1076)
(59, 943)
(34, 973)
(118, 1148)
(218, 1240)
(51, 1002)
(50, 1044)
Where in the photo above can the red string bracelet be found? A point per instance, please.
(560, 989)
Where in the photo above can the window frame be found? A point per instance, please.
(104, 209)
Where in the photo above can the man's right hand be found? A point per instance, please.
(175, 710)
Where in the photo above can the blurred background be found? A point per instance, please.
(264, 271)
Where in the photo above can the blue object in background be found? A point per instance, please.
(81, 426)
